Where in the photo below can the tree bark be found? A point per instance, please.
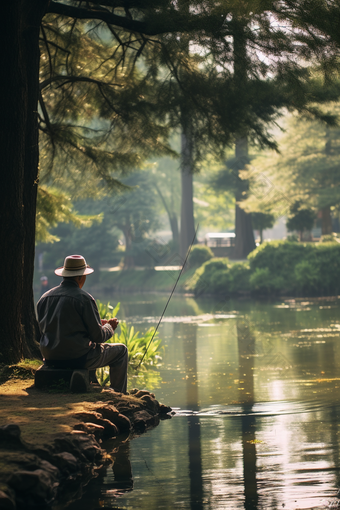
(173, 221)
(326, 221)
(128, 258)
(19, 38)
(187, 206)
(32, 57)
(244, 242)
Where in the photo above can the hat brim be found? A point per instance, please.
(60, 271)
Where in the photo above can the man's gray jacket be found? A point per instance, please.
(69, 322)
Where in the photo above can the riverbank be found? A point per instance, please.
(277, 268)
(130, 280)
(50, 442)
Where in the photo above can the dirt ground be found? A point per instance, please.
(42, 414)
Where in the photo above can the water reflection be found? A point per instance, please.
(194, 429)
(246, 353)
(258, 426)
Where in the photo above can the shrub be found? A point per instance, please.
(198, 255)
(278, 267)
(307, 277)
(330, 238)
(208, 278)
(280, 258)
(239, 274)
(137, 344)
(263, 282)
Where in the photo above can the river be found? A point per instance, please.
(255, 387)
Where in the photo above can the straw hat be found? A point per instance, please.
(74, 265)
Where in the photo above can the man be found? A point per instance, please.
(73, 334)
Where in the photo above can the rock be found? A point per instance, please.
(122, 422)
(108, 412)
(110, 429)
(151, 403)
(143, 419)
(163, 409)
(10, 435)
(79, 444)
(141, 393)
(112, 414)
(65, 462)
(37, 486)
(33, 477)
(91, 428)
(6, 502)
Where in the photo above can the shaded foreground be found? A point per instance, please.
(50, 443)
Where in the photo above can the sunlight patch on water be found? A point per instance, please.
(259, 409)
(187, 319)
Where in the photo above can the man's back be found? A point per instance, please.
(69, 322)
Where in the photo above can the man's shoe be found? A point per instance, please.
(79, 381)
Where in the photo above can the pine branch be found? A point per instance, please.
(161, 23)
(74, 79)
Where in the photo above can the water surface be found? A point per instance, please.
(255, 386)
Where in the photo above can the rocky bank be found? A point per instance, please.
(51, 444)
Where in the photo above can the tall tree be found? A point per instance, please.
(19, 136)
(306, 171)
(135, 28)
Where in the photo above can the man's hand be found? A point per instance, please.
(103, 321)
(113, 323)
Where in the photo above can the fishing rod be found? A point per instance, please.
(166, 306)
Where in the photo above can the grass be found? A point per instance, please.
(146, 280)
(24, 369)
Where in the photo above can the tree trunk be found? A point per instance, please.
(171, 215)
(174, 228)
(187, 205)
(326, 222)
(244, 242)
(128, 258)
(19, 41)
(32, 56)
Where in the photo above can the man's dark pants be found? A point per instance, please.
(116, 357)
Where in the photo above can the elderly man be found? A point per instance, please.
(73, 334)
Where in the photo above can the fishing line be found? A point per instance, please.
(166, 306)
(157, 480)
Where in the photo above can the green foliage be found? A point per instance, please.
(210, 278)
(106, 311)
(53, 207)
(135, 342)
(296, 268)
(261, 220)
(279, 257)
(218, 276)
(305, 171)
(198, 255)
(307, 277)
(239, 274)
(329, 238)
(263, 282)
(300, 218)
(274, 268)
(98, 242)
(292, 238)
